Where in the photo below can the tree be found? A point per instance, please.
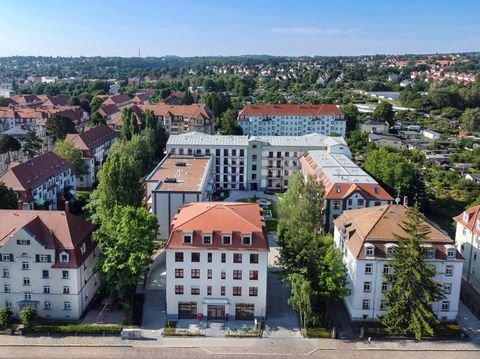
(97, 119)
(187, 99)
(28, 316)
(351, 115)
(70, 153)
(149, 119)
(470, 119)
(59, 126)
(9, 144)
(119, 184)
(8, 198)
(228, 122)
(126, 242)
(5, 315)
(300, 297)
(129, 124)
(3, 101)
(139, 149)
(74, 101)
(95, 103)
(32, 144)
(384, 112)
(412, 281)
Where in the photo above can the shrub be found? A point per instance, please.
(5, 315)
(76, 329)
(28, 316)
(318, 333)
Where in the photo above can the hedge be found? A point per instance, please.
(318, 333)
(74, 329)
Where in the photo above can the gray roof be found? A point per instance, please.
(198, 138)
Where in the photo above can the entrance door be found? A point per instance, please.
(187, 310)
(244, 311)
(253, 187)
(216, 312)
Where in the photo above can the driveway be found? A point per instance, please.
(237, 195)
(469, 322)
(282, 321)
(154, 308)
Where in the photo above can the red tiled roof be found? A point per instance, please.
(26, 176)
(194, 111)
(74, 113)
(290, 110)
(369, 191)
(108, 109)
(217, 218)
(473, 214)
(52, 229)
(117, 99)
(93, 138)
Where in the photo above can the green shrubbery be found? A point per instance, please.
(5, 315)
(59, 328)
(318, 333)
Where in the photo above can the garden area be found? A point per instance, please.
(187, 329)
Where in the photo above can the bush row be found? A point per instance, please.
(74, 329)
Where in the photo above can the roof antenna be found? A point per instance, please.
(397, 200)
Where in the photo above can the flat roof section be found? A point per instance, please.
(181, 173)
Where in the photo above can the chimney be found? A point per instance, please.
(19, 204)
(405, 201)
(67, 206)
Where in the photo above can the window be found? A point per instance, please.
(64, 257)
(207, 239)
(46, 289)
(65, 274)
(27, 295)
(7, 257)
(187, 238)
(47, 305)
(8, 304)
(209, 290)
(45, 274)
(445, 306)
(179, 289)
(449, 271)
(246, 240)
(369, 251)
(223, 275)
(254, 258)
(253, 275)
(224, 257)
(226, 239)
(451, 253)
(253, 291)
(25, 266)
(386, 269)
(23, 242)
(384, 287)
(222, 290)
(6, 288)
(26, 281)
(336, 204)
(6, 273)
(67, 306)
(237, 274)
(254, 167)
(209, 257)
(237, 258)
(429, 252)
(195, 273)
(368, 268)
(366, 304)
(195, 290)
(178, 256)
(390, 250)
(360, 202)
(367, 287)
(195, 257)
(44, 258)
(447, 288)
(178, 273)
(237, 291)
(209, 274)
(66, 289)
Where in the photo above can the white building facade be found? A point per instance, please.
(366, 239)
(217, 257)
(292, 120)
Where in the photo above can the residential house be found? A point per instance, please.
(371, 126)
(41, 181)
(383, 139)
(94, 144)
(432, 135)
(216, 258)
(47, 259)
(367, 239)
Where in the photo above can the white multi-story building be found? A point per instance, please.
(41, 181)
(94, 144)
(47, 261)
(175, 181)
(292, 120)
(254, 162)
(217, 257)
(366, 238)
(346, 186)
(467, 239)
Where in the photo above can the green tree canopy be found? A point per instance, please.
(471, 119)
(384, 112)
(351, 115)
(139, 149)
(32, 144)
(70, 153)
(126, 242)
(8, 198)
(300, 298)
(412, 282)
(97, 119)
(59, 126)
(228, 123)
(9, 144)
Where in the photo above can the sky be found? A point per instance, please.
(237, 27)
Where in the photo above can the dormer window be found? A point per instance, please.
(226, 239)
(465, 216)
(337, 189)
(369, 250)
(450, 251)
(187, 238)
(64, 257)
(207, 239)
(83, 248)
(430, 252)
(390, 248)
(246, 240)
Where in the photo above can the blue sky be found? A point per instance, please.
(236, 27)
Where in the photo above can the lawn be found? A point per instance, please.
(318, 332)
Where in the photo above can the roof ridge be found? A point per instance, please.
(244, 219)
(197, 215)
(376, 222)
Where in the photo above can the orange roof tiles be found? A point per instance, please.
(92, 138)
(473, 217)
(194, 111)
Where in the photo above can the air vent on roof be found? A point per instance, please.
(181, 164)
(170, 180)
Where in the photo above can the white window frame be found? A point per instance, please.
(207, 235)
(224, 236)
